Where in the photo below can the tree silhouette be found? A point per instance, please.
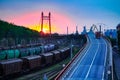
(17, 33)
(118, 36)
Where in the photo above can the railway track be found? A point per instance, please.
(39, 76)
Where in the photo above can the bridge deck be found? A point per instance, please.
(91, 65)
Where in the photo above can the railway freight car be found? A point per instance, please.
(56, 56)
(31, 62)
(38, 50)
(24, 52)
(47, 59)
(34, 50)
(10, 66)
(3, 55)
(49, 47)
(12, 53)
(62, 53)
(9, 54)
(65, 52)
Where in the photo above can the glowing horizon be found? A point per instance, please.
(33, 21)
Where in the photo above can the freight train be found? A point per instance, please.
(28, 50)
(28, 63)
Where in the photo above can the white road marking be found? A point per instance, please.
(105, 59)
(74, 63)
(92, 61)
(80, 61)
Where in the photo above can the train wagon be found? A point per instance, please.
(47, 59)
(38, 50)
(62, 53)
(56, 55)
(46, 48)
(9, 54)
(10, 66)
(49, 47)
(31, 51)
(3, 55)
(24, 52)
(35, 50)
(67, 52)
(31, 62)
(12, 53)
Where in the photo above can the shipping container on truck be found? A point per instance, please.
(97, 35)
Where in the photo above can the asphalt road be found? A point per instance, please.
(91, 65)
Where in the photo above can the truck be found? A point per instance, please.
(97, 35)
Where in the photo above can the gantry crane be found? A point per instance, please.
(97, 32)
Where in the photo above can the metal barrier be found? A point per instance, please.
(109, 61)
(66, 67)
(108, 74)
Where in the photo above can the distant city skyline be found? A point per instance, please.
(65, 13)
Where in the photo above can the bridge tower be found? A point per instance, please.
(42, 22)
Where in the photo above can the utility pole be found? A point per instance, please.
(67, 30)
(71, 53)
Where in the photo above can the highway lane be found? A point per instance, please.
(92, 65)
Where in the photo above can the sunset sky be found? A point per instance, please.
(64, 13)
